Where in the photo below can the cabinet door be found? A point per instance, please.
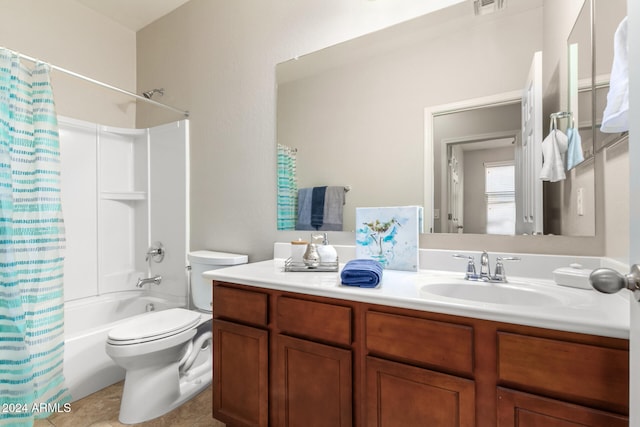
(240, 374)
(404, 395)
(313, 384)
(527, 410)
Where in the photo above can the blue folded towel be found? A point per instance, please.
(317, 206)
(365, 273)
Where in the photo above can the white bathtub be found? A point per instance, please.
(87, 368)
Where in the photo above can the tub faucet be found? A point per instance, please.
(155, 280)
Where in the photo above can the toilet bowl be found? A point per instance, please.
(157, 350)
(167, 355)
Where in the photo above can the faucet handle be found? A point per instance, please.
(471, 265)
(155, 252)
(499, 273)
(508, 258)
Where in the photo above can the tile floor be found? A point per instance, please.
(101, 410)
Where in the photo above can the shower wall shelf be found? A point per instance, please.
(123, 195)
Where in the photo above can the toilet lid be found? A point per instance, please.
(154, 325)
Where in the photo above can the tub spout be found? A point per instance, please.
(155, 280)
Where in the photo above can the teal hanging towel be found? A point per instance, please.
(31, 246)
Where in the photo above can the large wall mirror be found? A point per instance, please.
(354, 116)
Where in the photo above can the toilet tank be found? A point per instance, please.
(201, 261)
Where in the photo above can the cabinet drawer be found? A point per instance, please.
(411, 338)
(314, 320)
(240, 305)
(587, 374)
(522, 410)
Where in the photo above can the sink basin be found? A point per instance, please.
(493, 293)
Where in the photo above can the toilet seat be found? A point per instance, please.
(153, 326)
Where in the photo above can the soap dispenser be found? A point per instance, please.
(328, 253)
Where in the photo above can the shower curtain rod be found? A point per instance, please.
(103, 84)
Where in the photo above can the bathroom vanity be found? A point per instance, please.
(299, 349)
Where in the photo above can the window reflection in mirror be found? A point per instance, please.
(500, 194)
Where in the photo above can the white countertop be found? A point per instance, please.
(580, 310)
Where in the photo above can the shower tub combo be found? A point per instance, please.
(121, 190)
(87, 368)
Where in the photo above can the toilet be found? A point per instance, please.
(167, 354)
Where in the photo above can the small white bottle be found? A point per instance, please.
(328, 253)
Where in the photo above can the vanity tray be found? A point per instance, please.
(289, 265)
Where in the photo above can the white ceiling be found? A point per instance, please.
(133, 14)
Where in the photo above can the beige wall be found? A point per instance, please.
(72, 36)
(217, 60)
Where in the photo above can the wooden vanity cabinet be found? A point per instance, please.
(398, 394)
(465, 371)
(312, 384)
(312, 368)
(282, 359)
(287, 359)
(409, 368)
(563, 380)
(240, 389)
(240, 357)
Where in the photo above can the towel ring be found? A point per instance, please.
(553, 124)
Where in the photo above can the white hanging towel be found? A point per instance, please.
(553, 147)
(616, 114)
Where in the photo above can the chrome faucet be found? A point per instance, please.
(155, 280)
(485, 269)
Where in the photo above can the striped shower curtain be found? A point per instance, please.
(287, 188)
(31, 247)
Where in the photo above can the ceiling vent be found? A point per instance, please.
(483, 7)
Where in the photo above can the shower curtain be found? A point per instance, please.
(31, 247)
(287, 188)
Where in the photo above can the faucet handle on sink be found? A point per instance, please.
(471, 265)
(499, 274)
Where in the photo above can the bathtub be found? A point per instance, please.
(87, 368)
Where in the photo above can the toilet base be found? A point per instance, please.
(151, 393)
